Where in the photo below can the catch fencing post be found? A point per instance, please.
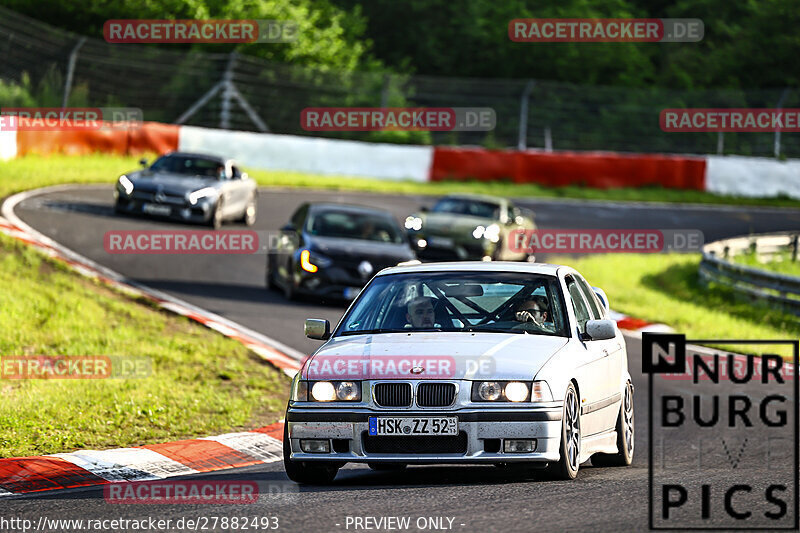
(522, 138)
(777, 147)
(73, 58)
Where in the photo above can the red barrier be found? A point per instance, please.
(148, 137)
(558, 169)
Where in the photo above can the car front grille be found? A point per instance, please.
(436, 394)
(393, 394)
(415, 445)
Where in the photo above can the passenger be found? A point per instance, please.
(420, 312)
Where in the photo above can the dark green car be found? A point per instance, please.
(463, 227)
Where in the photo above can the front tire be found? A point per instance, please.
(570, 450)
(216, 217)
(305, 473)
(625, 434)
(250, 212)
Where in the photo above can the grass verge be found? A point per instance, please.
(665, 288)
(201, 382)
(35, 171)
(780, 263)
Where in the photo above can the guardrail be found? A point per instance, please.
(779, 289)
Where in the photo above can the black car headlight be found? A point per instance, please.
(327, 391)
(510, 391)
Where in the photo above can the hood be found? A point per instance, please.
(170, 183)
(379, 253)
(452, 224)
(442, 356)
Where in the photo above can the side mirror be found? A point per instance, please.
(317, 328)
(288, 228)
(601, 330)
(143, 162)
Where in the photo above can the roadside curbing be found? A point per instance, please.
(87, 468)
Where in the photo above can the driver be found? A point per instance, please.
(532, 310)
(420, 312)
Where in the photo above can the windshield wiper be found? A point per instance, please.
(371, 331)
(489, 330)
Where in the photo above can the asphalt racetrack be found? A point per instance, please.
(470, 498)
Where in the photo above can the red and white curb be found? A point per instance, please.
(637, 326)
(88, 468)
(278, 354)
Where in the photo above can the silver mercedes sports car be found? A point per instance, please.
(189, 187)
(469, 362)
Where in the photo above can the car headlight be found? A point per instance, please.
(205, 192)
(312, 262)
(413, 223)
(126, 184)
(492, 233)
(478, 232)
(342, 391)
(510, 391)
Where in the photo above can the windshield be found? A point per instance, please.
(502, 302)
(474, 208)
(188, 166)
(349, 225)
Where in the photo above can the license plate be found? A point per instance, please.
(440, 242)
(407, 426)
(351, 292)
(153, 209)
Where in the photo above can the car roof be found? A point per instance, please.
(199, 156)
(477, 197)
(349, 208)
(479, 266)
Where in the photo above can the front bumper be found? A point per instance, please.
(483, 432)
(199, 213)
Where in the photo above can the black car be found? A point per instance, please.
(332, 250)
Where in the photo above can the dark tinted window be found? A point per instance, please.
(189, 166)
(349, 225)
(462, 206)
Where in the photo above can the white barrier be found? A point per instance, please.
(752, 176)
(312, 155)
(8, 144)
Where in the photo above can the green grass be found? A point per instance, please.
(35, 171)
(665, 288)
(780, 263)
(201, 382)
